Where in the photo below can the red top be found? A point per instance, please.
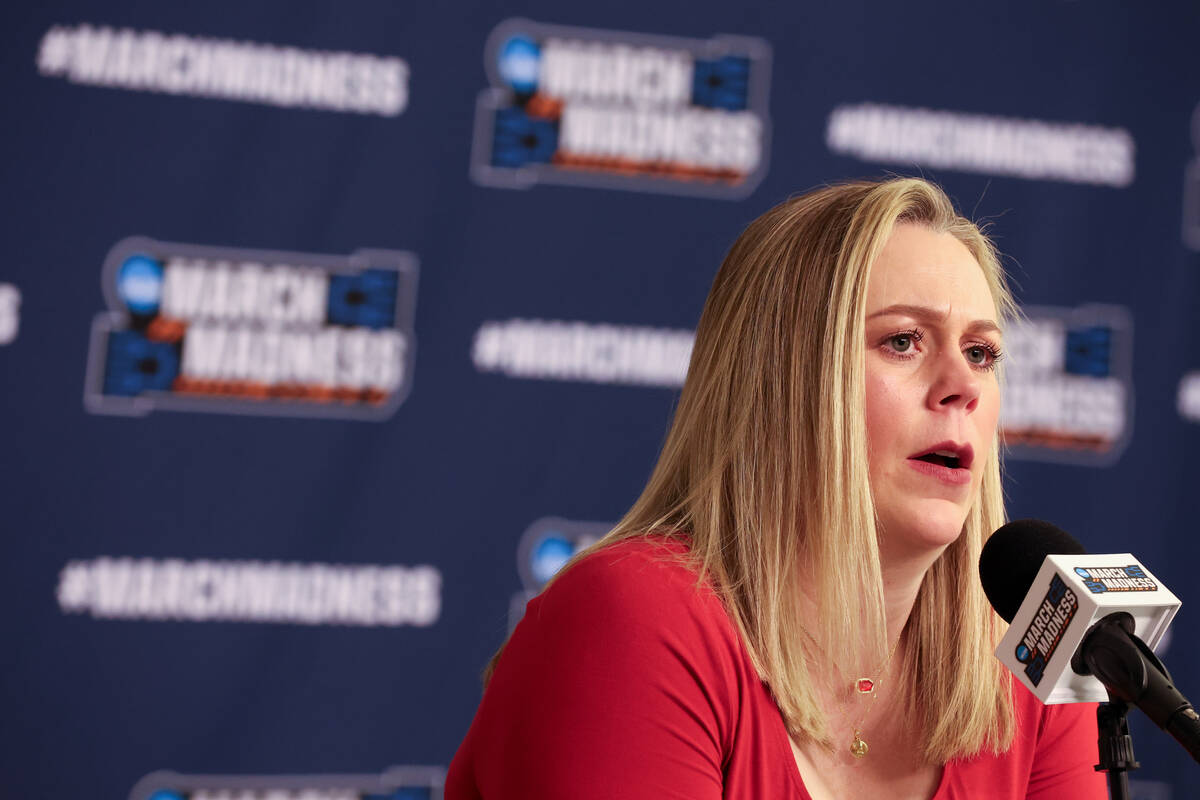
(625, 680)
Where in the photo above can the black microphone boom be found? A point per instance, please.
(1133, 673)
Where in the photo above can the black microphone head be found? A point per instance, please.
(1013, 555)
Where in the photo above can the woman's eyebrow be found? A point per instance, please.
(933, 315)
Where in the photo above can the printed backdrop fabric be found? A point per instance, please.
(329, 331)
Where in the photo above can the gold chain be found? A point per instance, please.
(858, 745)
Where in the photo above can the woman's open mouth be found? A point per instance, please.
(949, 462)
(945, 459)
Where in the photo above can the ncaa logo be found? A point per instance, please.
(519, 63)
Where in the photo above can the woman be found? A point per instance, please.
(790, 609)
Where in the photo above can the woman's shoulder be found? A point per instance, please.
(648, 562)
(624, 676)
(645, 581)
(630, 557)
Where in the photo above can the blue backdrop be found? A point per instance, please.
(329, 330)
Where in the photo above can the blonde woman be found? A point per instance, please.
(791, 608)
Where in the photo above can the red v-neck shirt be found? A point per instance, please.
(626, 680)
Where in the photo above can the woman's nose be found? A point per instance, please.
(956, 384)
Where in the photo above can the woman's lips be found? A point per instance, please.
(953, 477)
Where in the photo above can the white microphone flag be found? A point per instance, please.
(1070, 593)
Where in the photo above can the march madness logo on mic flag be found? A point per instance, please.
(1046, 629)
(1131, 578)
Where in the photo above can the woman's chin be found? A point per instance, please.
(923, 529)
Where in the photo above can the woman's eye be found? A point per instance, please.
(977, 355)
(902, 343)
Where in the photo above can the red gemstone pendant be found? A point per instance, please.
(865, 685)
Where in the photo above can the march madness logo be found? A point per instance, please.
(621, 110)
(1046, 629)
(252, 331)
(1131, 578)
(394, 783)
(1068, 393)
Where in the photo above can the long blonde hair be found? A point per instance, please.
(764, 470)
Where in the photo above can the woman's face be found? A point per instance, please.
(932, 399)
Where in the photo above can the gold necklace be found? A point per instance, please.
(867, 686)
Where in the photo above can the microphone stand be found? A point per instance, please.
(1116, 746)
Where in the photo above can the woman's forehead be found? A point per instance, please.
(921, 268)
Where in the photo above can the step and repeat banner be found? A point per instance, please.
(329, 331)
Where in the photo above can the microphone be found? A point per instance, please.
(1082, 627)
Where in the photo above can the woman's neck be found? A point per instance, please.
(903, 574)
